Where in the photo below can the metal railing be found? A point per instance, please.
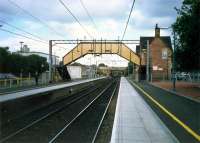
(16, 82)
(188, 76)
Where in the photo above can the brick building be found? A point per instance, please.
(160, 56)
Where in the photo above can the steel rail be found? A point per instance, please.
(104, 114)
(48, 114)
(43, 107)
(80, 113)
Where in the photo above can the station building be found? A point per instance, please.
(160, 56)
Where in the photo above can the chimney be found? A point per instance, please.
(157, 31)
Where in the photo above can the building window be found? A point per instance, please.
(164, 54)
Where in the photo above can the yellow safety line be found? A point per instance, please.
(187, 128)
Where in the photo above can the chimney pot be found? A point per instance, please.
(157, 31)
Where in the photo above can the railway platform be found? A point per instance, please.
(135, 121)
(36, 91)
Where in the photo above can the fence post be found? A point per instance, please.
(163, 76)
(21, 79)
(29, 78)
(17, 82)
(5, 82)
(10, 83)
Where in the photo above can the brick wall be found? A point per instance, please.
(161, 68)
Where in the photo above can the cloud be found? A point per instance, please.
(145, 12)
(54, 11)
(109, 15)
(158, 8)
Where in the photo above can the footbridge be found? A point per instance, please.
(99, 47)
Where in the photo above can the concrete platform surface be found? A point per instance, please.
(26, 93)
(135, 121)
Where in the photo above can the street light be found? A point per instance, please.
(21, 43)
(173, 65)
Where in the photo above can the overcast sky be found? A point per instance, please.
(109, 18)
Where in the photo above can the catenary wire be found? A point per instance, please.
(21, 35)
(36, 18)
(88, 13)
(128, 19)
(70, 12)
(20, 29)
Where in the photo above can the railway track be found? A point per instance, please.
(85, 126)
(55, 117)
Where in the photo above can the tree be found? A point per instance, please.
(36, 66)
(16, 64)
(4, 57)
(187, 29)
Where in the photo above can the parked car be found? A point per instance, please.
(182, 76)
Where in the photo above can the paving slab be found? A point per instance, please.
(31, 92)
(135, 121)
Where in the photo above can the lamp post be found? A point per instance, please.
(21, 43)
(148, 62)
(21, 77)
(128, 69)
(173, 60)
(173, 64)
(50, 60)
(42, 66)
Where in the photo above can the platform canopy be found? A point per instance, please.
(84, 48)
